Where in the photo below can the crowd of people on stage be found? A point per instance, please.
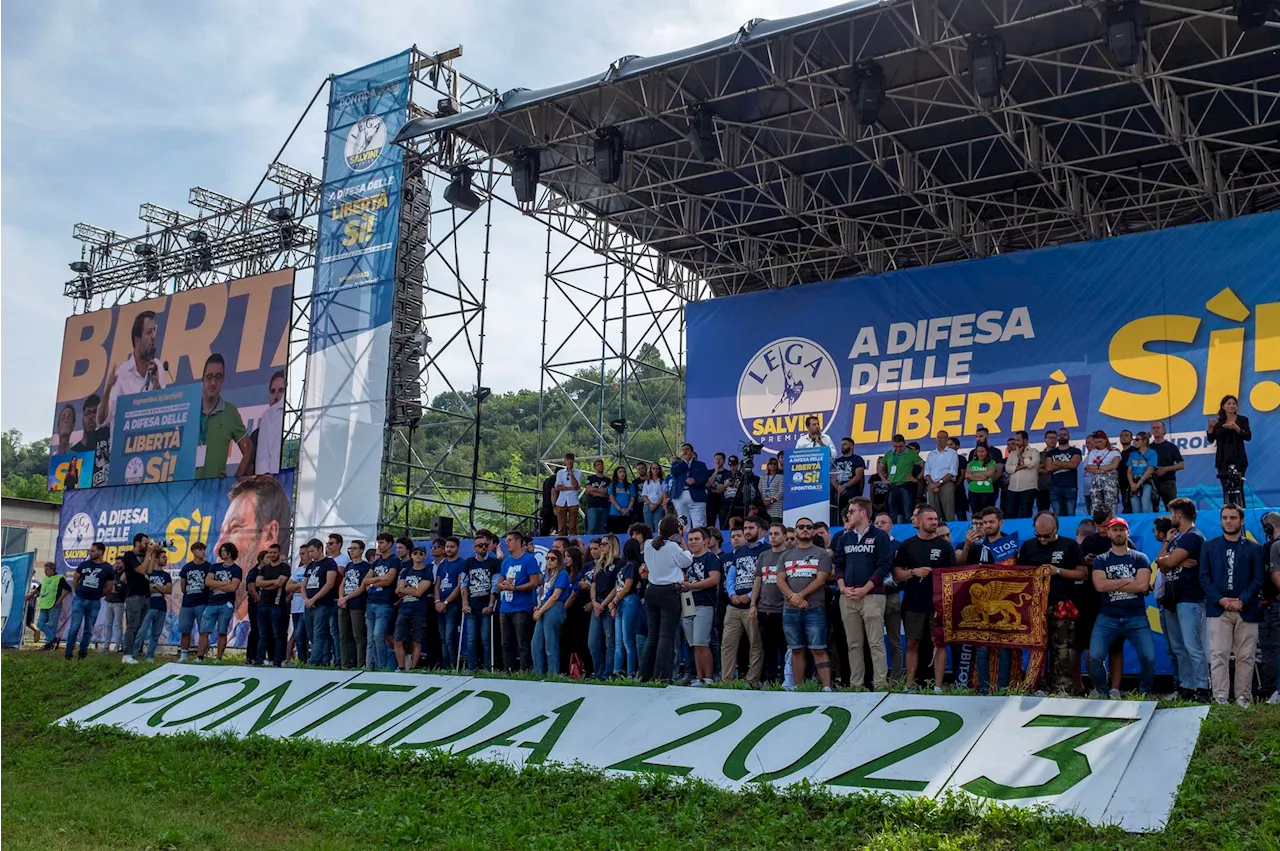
(691, 574)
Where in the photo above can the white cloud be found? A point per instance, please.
(109, 105)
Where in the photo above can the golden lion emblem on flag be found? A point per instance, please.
(989, 600)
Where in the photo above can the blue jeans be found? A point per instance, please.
(596, 518)
(377, 617)
(653, 516)
(84, 613)
(273, 634)
(600, 639)
(1134, 629)
(1062, 499)
(1167, 623)
(982, 666)
(317, 620)
(1144, 501)
(479, 638)
(152, 628)
(447, 623)
(1185, 634)
(546, 640)
(805, 628)
(626, 656)
(48, 623)
(902, 501)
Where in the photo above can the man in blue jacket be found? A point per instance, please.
(1231, 575)
(862, 560)
(689, 487)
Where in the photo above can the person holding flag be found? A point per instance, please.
(986, 543)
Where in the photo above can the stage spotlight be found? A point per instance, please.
(482, 393)
(1125, 26)
(459, 192)
(868, 93)
(203, 252)
(609, 155)
(619, 425)
(524, 175)
(702, 134)
(80, 267)
(150, 265)
(986, 65)
(1252, 14)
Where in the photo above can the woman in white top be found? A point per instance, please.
(771, 493)
(664, 564)
(654, 496)
(1102, 462)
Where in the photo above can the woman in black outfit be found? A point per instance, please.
(1229, 430)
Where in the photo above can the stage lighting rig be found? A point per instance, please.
(868, 93)
(1125, 25)
(608, 151)
(525, 171)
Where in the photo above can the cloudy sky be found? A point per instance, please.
(109, 105)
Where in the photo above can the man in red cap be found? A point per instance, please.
(1122, 576)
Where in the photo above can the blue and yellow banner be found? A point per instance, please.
(1113, 334)
(157, 433)
(806, 484)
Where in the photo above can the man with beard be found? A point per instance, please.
(96, 439)
(141, 371)
(1064, 557)
(986, 543)
(913, 566)
(264, 455)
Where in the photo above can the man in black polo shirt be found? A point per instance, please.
(1168, 463)
(273, 627)
(1063, 555)
(137, 594)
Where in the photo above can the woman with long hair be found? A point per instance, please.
(655, 496)
(1230, 430)
(548, 615)
(600, 639)
(577, 616)
(665, 561)
(1140, 474)
(1102, 462)
(980, 473)
(155, 566)
(66, 425)
(625, 610)
(622, 497)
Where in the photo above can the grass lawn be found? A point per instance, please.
(103, 789)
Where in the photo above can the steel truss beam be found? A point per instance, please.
(1073, 148)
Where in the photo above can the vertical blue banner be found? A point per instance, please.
(806, 485)
(344, 409)
(15, 576)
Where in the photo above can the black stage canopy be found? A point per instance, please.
(792, 187)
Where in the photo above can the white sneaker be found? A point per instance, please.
(1221, 700)
(938, 690)
(697, 684)
(182, 657)
(1275, 698)
(128, 660)
(826, 689)
(788, 688)
(1242, 701)
(709, 681)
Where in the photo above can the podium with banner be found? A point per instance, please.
(806, 489)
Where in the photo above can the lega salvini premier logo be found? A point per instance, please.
(784, 383)
(365, 141)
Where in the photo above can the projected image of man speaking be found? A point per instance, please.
(140, 371)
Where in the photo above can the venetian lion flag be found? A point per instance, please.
(995, 606)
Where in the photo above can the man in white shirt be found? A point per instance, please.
(941, 469)
(141, 372)
(1023, 466)
(565, 497)
(816, 437)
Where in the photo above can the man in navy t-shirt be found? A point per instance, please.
(1122, 577)
(92, 579)
(380, 584)
(1062, 463)
(478, 599)
(521, 577)
(352, 598)
(988, 544)
(222, 581)
(194, 597)
(320, 603)
(447, 595)
(414, 589)
(1183, 601)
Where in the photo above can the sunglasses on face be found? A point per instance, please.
(804, 528)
